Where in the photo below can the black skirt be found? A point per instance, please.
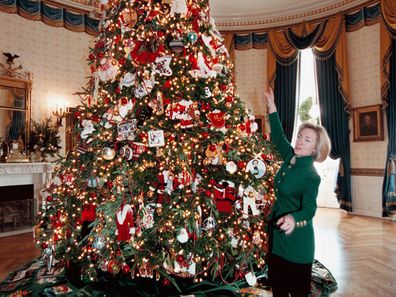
(289, 276)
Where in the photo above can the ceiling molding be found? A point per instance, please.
(283, 18)
(237, 15)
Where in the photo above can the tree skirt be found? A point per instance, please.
(32, 279)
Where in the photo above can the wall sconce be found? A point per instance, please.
(59, 113)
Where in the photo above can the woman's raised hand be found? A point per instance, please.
(269, 97)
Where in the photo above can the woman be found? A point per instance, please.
(296, 188)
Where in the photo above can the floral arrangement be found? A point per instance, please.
(44, 138)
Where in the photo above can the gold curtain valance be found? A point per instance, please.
(388, 11)
(333, 38)
(388, 23)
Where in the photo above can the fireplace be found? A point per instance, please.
(23, 177)
(16, 207)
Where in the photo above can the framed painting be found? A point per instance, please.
(368, 123)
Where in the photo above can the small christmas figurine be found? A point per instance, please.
(49, 256)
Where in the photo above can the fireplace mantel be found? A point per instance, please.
(27, 168)
(38, 174)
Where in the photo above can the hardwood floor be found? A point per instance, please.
(359, 251)
(16, 250)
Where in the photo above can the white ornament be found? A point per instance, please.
(162, 66)
(178, 6)
(209, 224)
(249, 200)
(218, 68)
(107, 71)
(126, 152)
(99, 242)
(251, 279)
(127, 80)
(88, 128)
(126, 131)
(156, 138)
(203, 70)
(144, 88)
(182, 236)
(234, 241)
(208, 93)
(231, 167)
(256, 167)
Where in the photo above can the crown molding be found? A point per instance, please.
(282, 18)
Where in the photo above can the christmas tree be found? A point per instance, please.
(169, 179)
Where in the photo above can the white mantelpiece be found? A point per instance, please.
(26, 168)
(38, 174)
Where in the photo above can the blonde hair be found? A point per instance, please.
(323, 144)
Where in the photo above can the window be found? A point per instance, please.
(308, 110)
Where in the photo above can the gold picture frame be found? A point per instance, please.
(368, 123)
(260, 120)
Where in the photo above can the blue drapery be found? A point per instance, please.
(51, 15)
(285, 94)
(334, 118)
(389, 191)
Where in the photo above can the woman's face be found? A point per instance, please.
(305, 143)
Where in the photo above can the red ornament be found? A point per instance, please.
(49, 198)
(229, 99)
(113, 267)
(212, 182)
(124, 100)
(242, 127)
(241, 164)
(223, 87)
(180, 258)
(217, 119)
(91, 57)
(109, 184)
(117, 90)
(212, 148)
(124, 222)
(95, 119)
(121, 61)
(125, 268)
(165, 282)
(44, 245)
(88, 213)
(106, 100)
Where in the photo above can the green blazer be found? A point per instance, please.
(296, 188)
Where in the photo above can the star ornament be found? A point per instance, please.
(162, 66)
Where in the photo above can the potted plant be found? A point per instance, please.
(44, 139)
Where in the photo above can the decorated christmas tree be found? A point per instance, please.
(169, 179)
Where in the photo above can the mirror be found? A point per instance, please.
(15, 94)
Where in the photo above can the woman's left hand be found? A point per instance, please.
(287, 224)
